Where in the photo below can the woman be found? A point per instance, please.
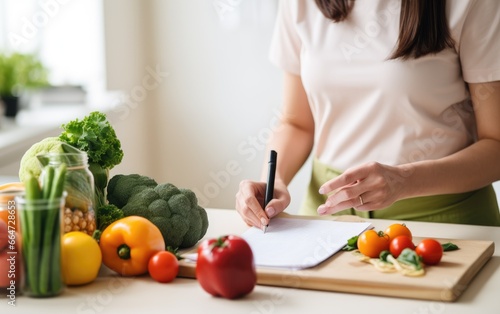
(400, 101)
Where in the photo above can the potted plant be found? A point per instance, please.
(19, 72)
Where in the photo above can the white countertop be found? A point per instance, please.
(113, 294)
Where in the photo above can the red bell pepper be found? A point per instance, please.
(225, 267)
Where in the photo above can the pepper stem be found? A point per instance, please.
(220, 242)
(123, 251)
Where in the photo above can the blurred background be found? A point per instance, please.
(187, 85)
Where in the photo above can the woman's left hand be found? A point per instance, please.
(370, 186)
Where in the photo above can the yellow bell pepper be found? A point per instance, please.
(128, 244)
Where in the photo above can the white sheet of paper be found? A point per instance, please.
(300, 243)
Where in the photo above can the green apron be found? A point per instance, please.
(479, 207)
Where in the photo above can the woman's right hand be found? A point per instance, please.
(250, 198)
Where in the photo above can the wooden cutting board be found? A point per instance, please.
(343, 272)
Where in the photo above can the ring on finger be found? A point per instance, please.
(361, 203)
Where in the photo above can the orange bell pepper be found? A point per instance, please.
(128, 244)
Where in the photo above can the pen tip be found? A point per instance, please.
(273, 154)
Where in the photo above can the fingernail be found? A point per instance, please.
(270, 212)
(321, 210)
(321, 191)
(263, 222)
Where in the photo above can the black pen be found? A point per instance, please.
(270, 180)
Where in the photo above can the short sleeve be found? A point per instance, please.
(286, 43)
(479, 46)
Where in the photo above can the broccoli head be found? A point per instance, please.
(174, 211)
(138, 204)
(121, 187)
(107, 214)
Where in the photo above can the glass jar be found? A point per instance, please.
(78, 213)
(41, 248)
(10, 242)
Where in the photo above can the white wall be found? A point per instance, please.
(126, 47)
(209, 120)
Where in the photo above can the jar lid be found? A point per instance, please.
(10, 190)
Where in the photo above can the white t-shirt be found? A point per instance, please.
(369, 108)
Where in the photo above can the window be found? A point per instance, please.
(67, 35)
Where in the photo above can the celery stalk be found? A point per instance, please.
(51, 238)
(41, 235)
(31, 233)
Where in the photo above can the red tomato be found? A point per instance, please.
(163, 266)
(371, 243)
(400, 243)
(430, 250)
(395, 230)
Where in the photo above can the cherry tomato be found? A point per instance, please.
(371, 243)
(430, 250)
(163, 266)
(395, 230)
(400, 243)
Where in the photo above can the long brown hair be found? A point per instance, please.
(423, 27)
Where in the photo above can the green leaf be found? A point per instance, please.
(449, 247)
(410, 257)
(352, 244)
(175, 252)
(95, 136)
(383, 256)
